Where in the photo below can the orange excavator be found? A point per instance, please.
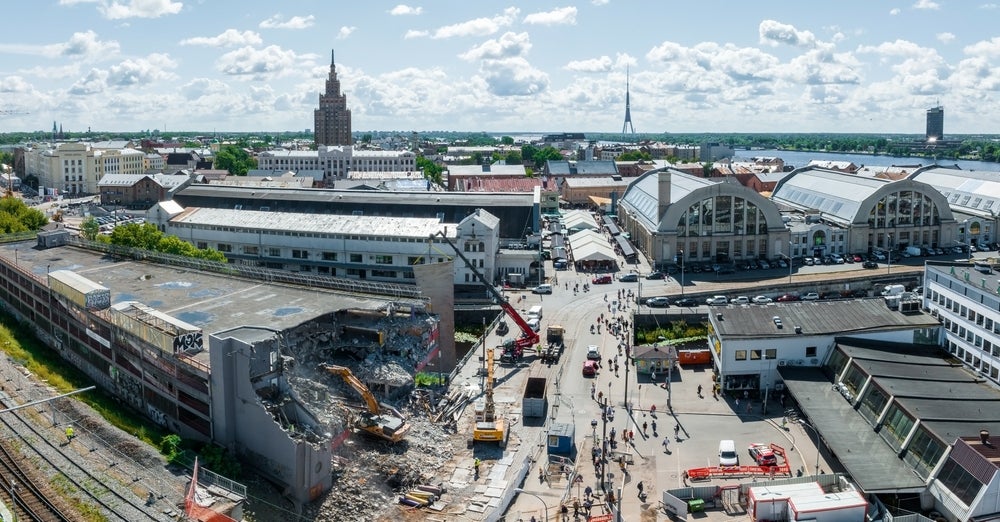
(379, 420)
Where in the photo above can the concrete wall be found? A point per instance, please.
(436, 281)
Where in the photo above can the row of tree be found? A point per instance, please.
(147, 237)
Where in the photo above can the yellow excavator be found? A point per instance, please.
(489, 427)
(379, 420)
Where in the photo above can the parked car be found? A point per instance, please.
(542, 289)
(763, 455)
(601, 280)
(716, 300)
(810, 261)
(593, 352)
(655, 275)
(811, 296)
(741, 300)
(938, 252)
(956, 250)
(726, 269)
(782, 263)
(762, 299)
(879, 256)
(787, 298)
(685, 301)
(837, 259)
(629, 278)
(858, 258)
(589, 368)
(764, 264)
(869, 264)
(658, 302)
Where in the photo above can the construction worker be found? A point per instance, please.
(69, 433)
(475, 465)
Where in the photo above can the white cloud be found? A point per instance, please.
(139, 9)
(593, 65)
(345, 31)
(296, 22)
(988, 6)
(403, 9)
(599, 2)
(94, 82)
(413, 33)
(895, 11)
(513, 77)
(558, 16)
(14, 84)
(478, 26)
(141, 71)
(987, 48)
(926, 4)
(508, 45)
(201, 87)
(773, 33)
(258, 63)
(945, 37)
(228, 38)
(86, 45)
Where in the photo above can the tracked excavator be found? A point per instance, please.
(489, 427)
(378, 420)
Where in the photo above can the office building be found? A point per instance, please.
(935, 124)
(332, 118)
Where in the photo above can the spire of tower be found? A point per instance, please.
(332, 58)
(628, 112)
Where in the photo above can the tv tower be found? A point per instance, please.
(628, 112)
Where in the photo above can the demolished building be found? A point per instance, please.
(222, 359)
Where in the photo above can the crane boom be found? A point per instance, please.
(528, 336)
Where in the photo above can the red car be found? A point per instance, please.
(602, 280)
(762, 455)
(787, 298)
(589, 368)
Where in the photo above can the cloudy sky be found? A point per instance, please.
(705, 66)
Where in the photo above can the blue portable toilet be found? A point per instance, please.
(561, 439)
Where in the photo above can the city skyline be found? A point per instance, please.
(773, 66)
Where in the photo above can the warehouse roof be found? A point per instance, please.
(381, 226)
(974, 190)
(815, 318)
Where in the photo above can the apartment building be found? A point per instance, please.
(337, 162)
(76, 168)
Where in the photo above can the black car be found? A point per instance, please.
(685, 301)
(869, 264)
(655, 275)
(629, 278)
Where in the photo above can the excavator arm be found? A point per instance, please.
(354, 382)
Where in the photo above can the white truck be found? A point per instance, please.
(913, 251)
(891, 290)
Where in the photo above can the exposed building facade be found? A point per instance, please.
(935, 124)
(332, 120)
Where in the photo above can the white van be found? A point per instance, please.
(535, 311)
(891, 290)
(727, 453)
(535, 324)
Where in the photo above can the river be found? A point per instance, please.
(801, 159)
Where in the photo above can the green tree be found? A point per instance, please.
(506, 140)
(235, 159)
(28, 218)
(634, 155)
(513, 158)
(133, 235)
(432, 171)
(90, 228)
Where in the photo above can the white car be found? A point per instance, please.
(811, 296)
(542, 289)
(762, 299)
(741, 300)
(717, 300)
(593, 353)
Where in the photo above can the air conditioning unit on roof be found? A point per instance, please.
(782, 362)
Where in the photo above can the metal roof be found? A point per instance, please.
(814, 317)
(643, 195)
(569, 168)
(474, 199)
(970, 189)
(255, 220)
(827, 191)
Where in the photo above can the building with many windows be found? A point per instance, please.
(974, 197)
(76, 168)
(966, 299)
(332, 120)
(337, 162)
(671, 215)
(370, 248)
(868, 213)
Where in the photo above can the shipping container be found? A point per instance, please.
(79, 290)
(534, 402)
(157, 328)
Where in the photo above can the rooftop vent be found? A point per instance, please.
(984, 436)
(777, 322)
(718, 317)
(798, 329)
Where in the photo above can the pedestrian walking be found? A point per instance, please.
(564, 510)
(653, 424)
(644, 425)
(652, 376)
(593, 389)
(640, 486)
(576, 508)
(666, 444)
(677, 431)
(588, 492)
(699, 391)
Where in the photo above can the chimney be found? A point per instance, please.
(663, 192)
(984, 437)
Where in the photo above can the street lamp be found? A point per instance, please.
(681, 253)
(789, 262)
(545, 509)
(888, 255)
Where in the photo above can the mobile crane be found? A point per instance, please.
(381, 421)
(529, 338)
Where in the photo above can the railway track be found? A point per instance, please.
(91, 487)
(28, 501)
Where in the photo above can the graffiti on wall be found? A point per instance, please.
(187, 342)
